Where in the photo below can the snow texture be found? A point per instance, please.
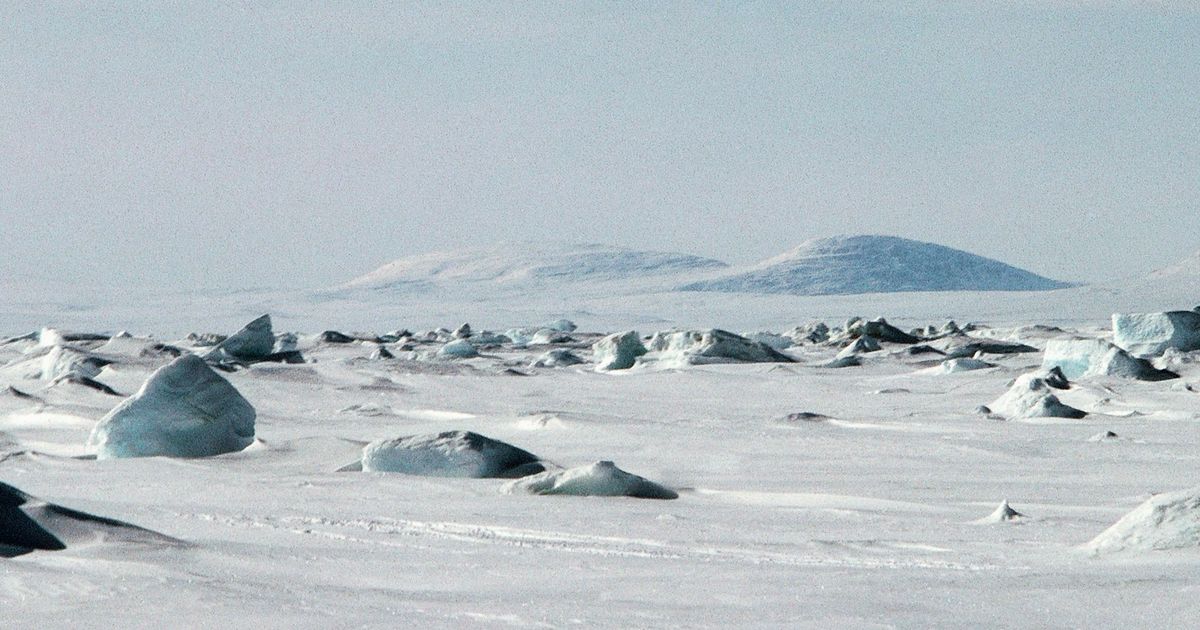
(183, 410)
(875, 264)
(601, 479)
(449, 454)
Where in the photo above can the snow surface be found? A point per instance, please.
(865, 518)
(1167, 521)
(875, 264)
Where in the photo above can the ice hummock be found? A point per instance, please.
(449, 454)
(254, 341)
(618, 351)
(1079, 358)
(712, 346)
(1150, 334)
(184, 409)
(1030, 397)
(601, 479)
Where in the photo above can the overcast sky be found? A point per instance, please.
(247, 145)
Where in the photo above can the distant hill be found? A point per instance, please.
(510, 263)
(875, 264)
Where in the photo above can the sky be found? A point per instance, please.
(230, 146)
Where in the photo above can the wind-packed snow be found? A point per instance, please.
(532, 261)
(875, 264)
(1167, 521)
(183, 410)
(1150, 334)
(601, 479)
(449, 454)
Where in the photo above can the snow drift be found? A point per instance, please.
(601, 479)
(1167, 521)
(30, 524)
(875, 264)
(449, 454)
(184, 409)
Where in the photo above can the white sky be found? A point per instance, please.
(248, 145)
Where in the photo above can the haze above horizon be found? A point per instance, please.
(261, 145)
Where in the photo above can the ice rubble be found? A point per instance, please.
(1030, 397)
(618, 351)
(64, 362)
(561, 325)
(30, 524)
(1149, 334)
(712, 346)
(449, 454)
(1080, 357)
(861, 345)
(184, 409)
(601, 479)
(1166, 521)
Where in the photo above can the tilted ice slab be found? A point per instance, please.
(601, 479)
(184, 409)
(618, 351)
(1030, 397)
(449, 454)
(64, 362)
(1078, 358)
(1167, 521)
(30, 524)
(1149, 334)
(713, 346)
(254, 341)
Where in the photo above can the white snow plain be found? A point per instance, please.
(808, 497)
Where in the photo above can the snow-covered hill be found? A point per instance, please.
(875, 264)
(518, 262)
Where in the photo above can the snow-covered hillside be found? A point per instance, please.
(875, 264)
(509, 263)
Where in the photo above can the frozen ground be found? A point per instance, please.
(867, 518)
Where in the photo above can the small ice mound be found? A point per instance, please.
(815, 332)
(450, 454)
(618, 351)
(253, 342)
(558, 357)
(458, 349)
(1002, 514)
(859, 346)
(601, 479)
(462, 332)
(1106, 436)
(1078, 358)
(955, 366)
(844, 362)
(974, 346)
(776, 341)
(368, 409)
(546, 336)
(803, 417)
(382, 353)
(184, 409)
(1167, 521)
(1030, 397)
(561, 325)
(62, 362)
(880, 329)
(29, 524)
(713, 346)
